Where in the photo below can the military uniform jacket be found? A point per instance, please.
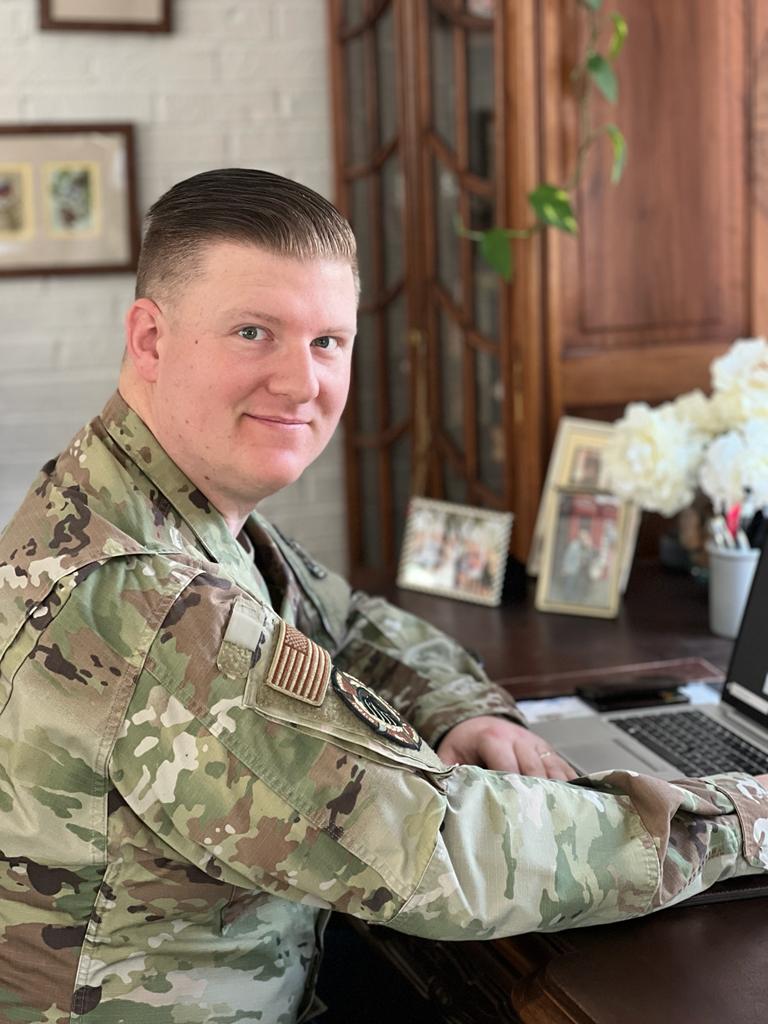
(200, 753)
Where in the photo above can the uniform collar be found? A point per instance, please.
(129, 432)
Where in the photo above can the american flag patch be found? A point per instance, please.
(300, 668)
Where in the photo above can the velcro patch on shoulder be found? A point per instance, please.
(375, 711)
(242, 640)
(300, 668)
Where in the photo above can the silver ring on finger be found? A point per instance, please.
(546, 753)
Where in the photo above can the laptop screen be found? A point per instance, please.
(746, 686)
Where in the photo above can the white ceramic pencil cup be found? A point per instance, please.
(730, 577)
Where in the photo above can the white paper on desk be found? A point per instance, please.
(702, 692)
(549, 708)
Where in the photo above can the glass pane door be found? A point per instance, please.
(372, 196)
(459, 169)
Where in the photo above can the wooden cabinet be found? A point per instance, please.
(449, 112)
(658, 281)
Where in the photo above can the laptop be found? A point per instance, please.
(684, 739)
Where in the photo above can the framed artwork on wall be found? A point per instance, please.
(106, 15)
(455, 550)
(67, 199)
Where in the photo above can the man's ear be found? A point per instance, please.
(143, 328)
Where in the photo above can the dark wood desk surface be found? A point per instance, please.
(703, 964)
(663, 615)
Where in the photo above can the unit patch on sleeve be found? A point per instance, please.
(300, 668)
(375, 711)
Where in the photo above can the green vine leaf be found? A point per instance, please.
(619, 145)
(552, 205)
(496, 249)
(604, 77)
(619, 35)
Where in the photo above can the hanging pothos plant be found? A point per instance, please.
(552, 205)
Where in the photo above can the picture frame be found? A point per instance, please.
(581, 562)
(576, 462)
(457, 551)
(106, 15)
(67, 199)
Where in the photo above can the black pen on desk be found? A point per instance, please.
(757, 529)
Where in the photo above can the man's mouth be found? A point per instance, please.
(278, 421)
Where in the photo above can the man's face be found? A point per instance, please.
(253, 371)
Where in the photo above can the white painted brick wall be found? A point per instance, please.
(238, 82)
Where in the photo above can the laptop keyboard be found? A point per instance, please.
(695, 743)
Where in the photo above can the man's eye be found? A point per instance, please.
(326, 341)
(251, 333)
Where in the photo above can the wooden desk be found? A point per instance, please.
(663, 615)
(703, 964)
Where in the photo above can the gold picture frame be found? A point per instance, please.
(456, 551)
(17, 207)
(576, 462)
(581, 561)
(67, 199)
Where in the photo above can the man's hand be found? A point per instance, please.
(502, 745)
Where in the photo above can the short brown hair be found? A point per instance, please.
(236, 204)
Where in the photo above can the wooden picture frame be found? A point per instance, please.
(582, 558)
(576, 462)
(67, 199)
(456, 551)
(106, 15)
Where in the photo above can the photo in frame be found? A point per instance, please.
(67, 199)
(581, 561)
(106, 15)
(457, 551)
(576, 461)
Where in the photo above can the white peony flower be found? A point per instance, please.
(740, 382)
(756, 462)
(745, 364)
(730, 408)
(695, 411)
(735, 467)
(653, 457)
(722, 473)
(659, 457)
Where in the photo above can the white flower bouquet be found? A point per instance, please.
(718, 444)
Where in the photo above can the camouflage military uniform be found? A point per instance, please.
(187, 780)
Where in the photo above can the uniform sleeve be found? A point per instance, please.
(429, 678)
(264, 766)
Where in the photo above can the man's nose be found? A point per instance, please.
(294, 375)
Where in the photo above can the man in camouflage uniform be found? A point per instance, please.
(207, 741)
